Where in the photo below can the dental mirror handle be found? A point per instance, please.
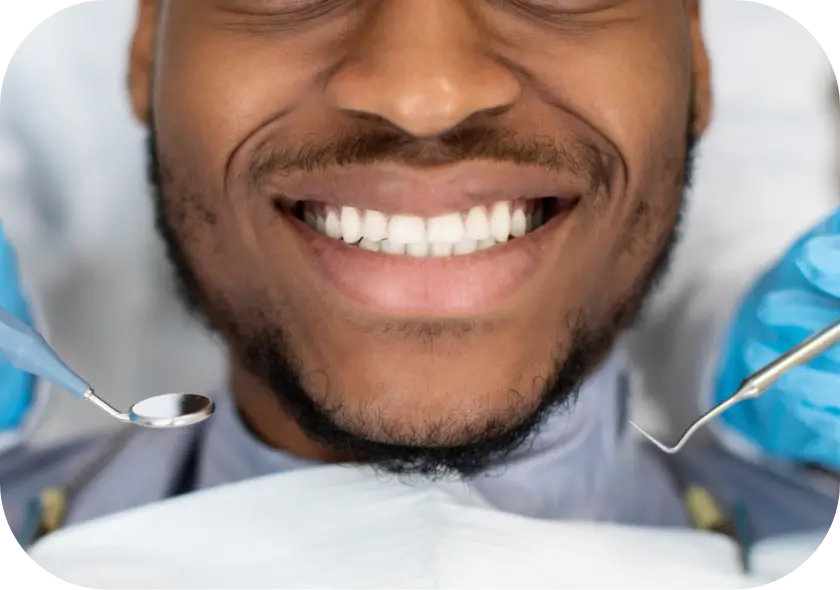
(26, 350)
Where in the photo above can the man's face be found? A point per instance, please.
(419, 223)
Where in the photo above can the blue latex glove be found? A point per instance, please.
(799, 418)
(16, 387)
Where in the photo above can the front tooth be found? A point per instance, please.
(500, 222)
(333, 223)
(465, 246)
(446, 229)
(476, 225)
(441, 249)
(321, 224)
(368, 245)
(351, 225)
(388, 247)
(375, 226)
(417, 249)
(488, 243)
(407, 229)
(518, 223)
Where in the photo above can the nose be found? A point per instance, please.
(423, 66)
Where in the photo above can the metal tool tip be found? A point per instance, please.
(661, 446)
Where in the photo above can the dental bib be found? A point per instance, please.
(351, 527)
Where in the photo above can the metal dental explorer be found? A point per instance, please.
(759, 382)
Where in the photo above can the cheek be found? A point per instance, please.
(215, 90)
(630, 83)
(201, 224)
(217, 86)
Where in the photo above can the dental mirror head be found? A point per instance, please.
(170, 410)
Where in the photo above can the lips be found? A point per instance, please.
(398, 241)
(426, 193)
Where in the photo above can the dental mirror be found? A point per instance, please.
(169, 410)
(27, 350)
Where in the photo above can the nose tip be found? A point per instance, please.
(426, 110)
(426, 105)
(424, 66)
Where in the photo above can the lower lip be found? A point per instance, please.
(467, 284)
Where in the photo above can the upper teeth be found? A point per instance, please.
(445, 235)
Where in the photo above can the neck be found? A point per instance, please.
(268, 421)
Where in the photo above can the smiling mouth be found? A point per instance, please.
(448, 235)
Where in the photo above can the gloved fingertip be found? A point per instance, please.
(797, 310)
(16, 397)
(832, 222)
(758, 354)
(819, 263)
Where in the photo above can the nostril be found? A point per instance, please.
(496, 111)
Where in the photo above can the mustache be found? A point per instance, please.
(575, 157)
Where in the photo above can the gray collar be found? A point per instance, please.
(565, 472)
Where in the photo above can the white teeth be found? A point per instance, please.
(389, 247)
(417, 249)
(406, 229)
(375, 226)
(465, 246)
(441, 249)
(500, 222)
(366, 244)
(518, 223)
(476, 226)
(446, 229)
(351, 225)
(333, 223)
(453, 234)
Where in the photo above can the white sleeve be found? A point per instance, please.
(765, 175)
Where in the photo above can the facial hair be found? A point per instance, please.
(263, 351)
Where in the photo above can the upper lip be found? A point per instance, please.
(425, 192)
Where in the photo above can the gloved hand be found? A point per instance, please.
(799, 418)
(16, 387)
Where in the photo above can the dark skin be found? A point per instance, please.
(607, 88)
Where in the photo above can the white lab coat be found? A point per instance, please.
(72, 199)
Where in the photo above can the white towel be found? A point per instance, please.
(353, 528)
